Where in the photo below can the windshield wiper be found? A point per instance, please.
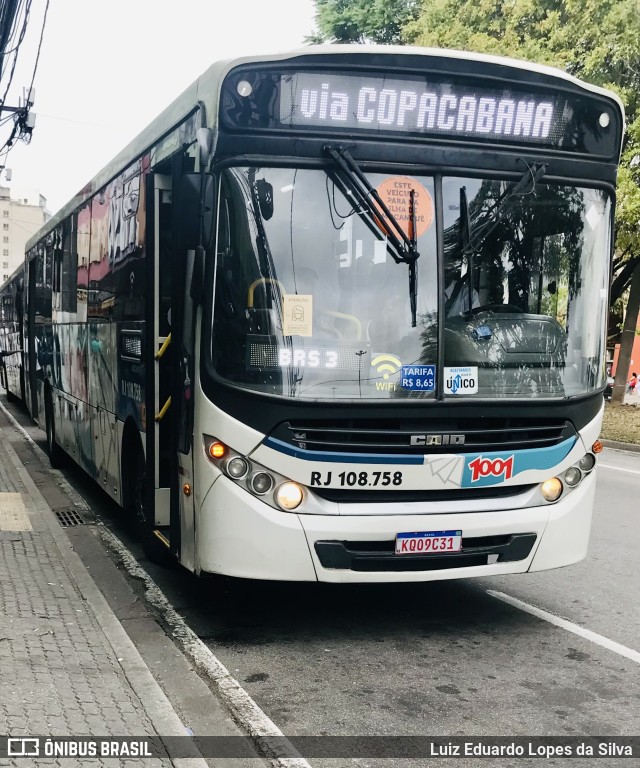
(472, 240)
(465, 241)
(371, 207)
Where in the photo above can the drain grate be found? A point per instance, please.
(69, 518)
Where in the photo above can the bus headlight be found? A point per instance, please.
(289, 495)
(252, 477)
(237, 467)
(261, 483)
(587, 462)
(551, 489)
(572, 477)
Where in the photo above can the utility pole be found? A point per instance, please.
(628, 337)
(25, 120)
(7, 17)
(629, 328)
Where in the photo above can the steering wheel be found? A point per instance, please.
(496, 308)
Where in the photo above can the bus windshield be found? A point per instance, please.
(310, 303)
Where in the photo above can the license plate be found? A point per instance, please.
(428, 542)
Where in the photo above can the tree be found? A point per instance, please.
(596, 40)
(359, 21)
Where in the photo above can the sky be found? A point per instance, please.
(106, 69)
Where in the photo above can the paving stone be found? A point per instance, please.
(59, 673)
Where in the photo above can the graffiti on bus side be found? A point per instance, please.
(124, 224)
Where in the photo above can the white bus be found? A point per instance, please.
(339, 315)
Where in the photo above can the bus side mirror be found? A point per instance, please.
(195, 210)
(265, 198)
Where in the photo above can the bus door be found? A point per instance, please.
(171, 426)
(192, 217)
(184, 350)
(159, 417)
(31, 362)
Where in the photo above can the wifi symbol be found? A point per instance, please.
(386, 364)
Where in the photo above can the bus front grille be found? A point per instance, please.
(428, 436)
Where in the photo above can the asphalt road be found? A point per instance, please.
(435, 659)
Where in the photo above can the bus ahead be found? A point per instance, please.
(340, 315)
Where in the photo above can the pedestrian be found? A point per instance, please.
(633, 381)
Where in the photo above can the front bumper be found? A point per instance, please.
(239, 535)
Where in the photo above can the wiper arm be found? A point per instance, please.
(465, 241)
(413, 277)
(379, 218)
(502, 206)
(264, 251)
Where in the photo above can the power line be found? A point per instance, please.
(35, 67)
(12, 31)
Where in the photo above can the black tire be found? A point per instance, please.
(135, 504)
(56, 454)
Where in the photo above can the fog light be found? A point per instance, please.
(572, 477)
(261, 483)
(551, 489)
(237, 468)
(587, 462)
(289, 495)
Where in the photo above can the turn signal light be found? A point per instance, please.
(217, 450)
(597, 447)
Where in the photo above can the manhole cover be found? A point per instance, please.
(69, 517)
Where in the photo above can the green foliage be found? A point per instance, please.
(595, 40)
(359, 21)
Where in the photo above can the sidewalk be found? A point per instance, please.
(67, 667)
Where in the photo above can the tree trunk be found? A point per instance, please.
(628, 337)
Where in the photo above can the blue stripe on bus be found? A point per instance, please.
(344, 458)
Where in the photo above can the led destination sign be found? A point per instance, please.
(263, 353)
(436, 108)
(430, 106)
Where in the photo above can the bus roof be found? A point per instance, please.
(207, 87)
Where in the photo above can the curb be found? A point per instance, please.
(244, 711)
(628, 447)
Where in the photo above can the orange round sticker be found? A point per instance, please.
(395, 193)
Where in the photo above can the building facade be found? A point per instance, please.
(22, 213)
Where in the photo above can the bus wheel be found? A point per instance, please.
(56, 454)
(136, 496)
